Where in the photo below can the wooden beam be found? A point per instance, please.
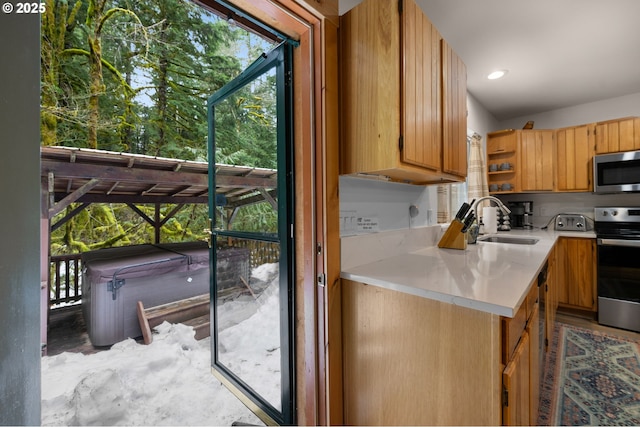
(120, 174)
(171, 214)
(269, 199)
(201, 198)
(142, 214)
(258, 198)
(72, 197)
(68, 216)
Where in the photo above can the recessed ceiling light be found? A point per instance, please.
(497, 74)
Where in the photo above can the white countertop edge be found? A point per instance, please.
(550, 236)
(436, 296)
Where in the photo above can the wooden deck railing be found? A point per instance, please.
(65, 279)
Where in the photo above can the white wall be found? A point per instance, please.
(614, 108)
(479, 119)
(385, 204)
(547, 205)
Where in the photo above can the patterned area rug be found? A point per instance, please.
(591, 378)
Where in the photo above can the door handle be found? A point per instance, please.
(619, 242)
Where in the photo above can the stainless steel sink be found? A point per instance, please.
(514, 240)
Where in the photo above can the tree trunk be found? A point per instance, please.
(96, 86)
(55, 26)
(161, 100)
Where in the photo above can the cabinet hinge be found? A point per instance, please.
(505, 396)
(401, 143)
(546, 342)
(400, 6)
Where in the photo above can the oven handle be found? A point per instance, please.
(619, 242)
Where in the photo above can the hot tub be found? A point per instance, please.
(115, 279)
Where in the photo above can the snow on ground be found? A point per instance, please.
(168, 382)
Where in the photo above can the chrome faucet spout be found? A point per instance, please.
(505, 210)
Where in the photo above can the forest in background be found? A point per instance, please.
(134, 77)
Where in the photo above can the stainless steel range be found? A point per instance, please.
(618, 234)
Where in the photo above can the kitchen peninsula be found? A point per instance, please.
(430, 335)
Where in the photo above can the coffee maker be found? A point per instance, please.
(521, 214)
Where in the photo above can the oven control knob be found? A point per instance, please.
(614, 213)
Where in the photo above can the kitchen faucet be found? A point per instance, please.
(505, 210)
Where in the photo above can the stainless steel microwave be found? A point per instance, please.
(616, 172)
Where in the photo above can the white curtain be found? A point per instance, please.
(451, 196)
(444, 208)
(477, 170)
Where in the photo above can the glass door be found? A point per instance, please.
(251, 210)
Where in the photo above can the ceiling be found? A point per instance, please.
(559, 53)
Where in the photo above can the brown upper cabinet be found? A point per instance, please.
(555, 160)
(403, 96)
(574, 153)
(520, 160)
(536, 160)
(618, 135)
(454, 112)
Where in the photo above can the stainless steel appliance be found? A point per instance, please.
(573, 222)
(616, 172)
(618, 242)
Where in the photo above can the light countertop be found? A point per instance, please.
(491, 277)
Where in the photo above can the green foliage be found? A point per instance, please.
(134, 76)
(259, 218)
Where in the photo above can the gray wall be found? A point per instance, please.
(19, 219)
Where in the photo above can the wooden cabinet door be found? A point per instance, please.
(533, 330)
(516, 383)
(454, 112)
(502, 142)
(421, 120)
(574, 157)
(551, 297)
(536, 160)
(370, 87)
(618, 135)
(577, 272)
(391, 96)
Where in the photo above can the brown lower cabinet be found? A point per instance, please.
(521, 376)
(516, 380)
(576, 264)
(409, 360)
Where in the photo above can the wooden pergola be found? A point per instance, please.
(85, 176)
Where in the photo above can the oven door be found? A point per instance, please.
(619, 283)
